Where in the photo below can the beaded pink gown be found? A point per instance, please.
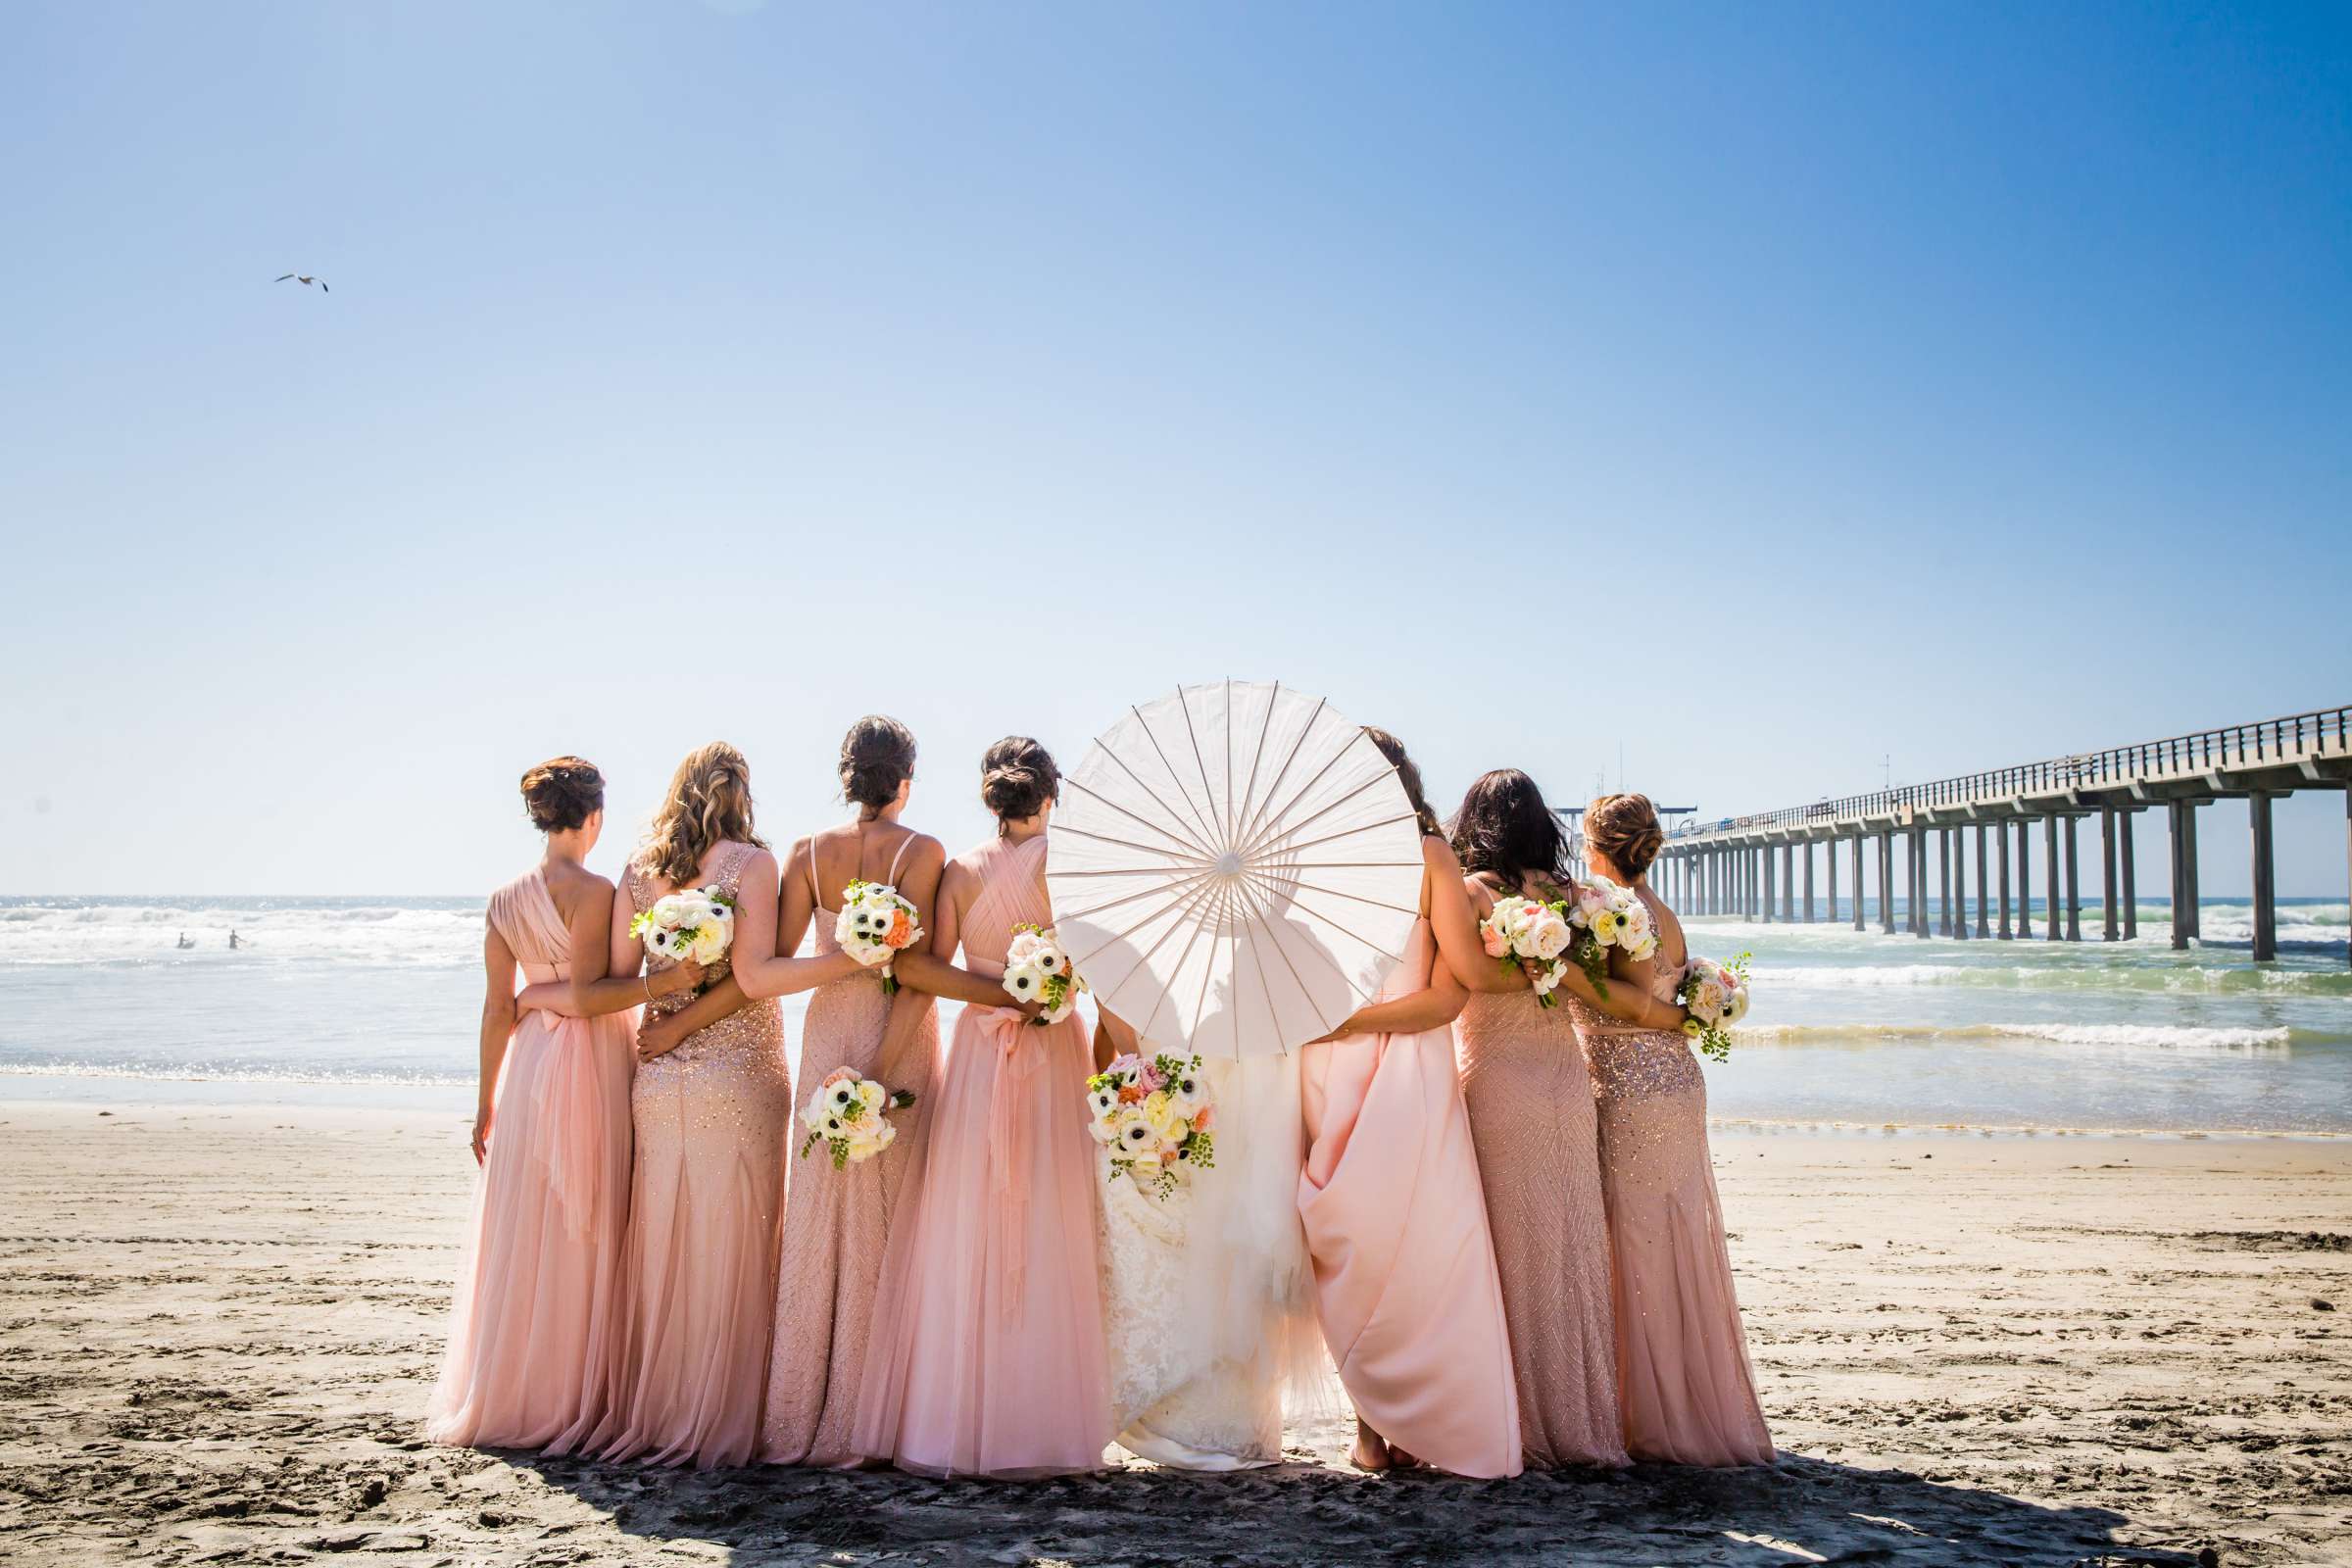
(705, 1207)
(1687, 1393)
(1405, 1281)
(1530, 1096)
(534, 1335)
(987, 1353)
(837, 1223)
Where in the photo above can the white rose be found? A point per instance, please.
(1736, 1007)
(1548, 937)
(1025, 945)
(871, 1094)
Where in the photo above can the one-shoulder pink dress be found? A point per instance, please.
(534, 1333)
(1396, 1226)
(1682, 1353)
(988, 1354)
(837, 1223)
(705, 1208)
(1530, 1096)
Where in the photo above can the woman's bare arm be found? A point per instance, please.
(498, 1025)
(1433, 1007)
(760, 969)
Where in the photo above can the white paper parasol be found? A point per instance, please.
(1234, 868)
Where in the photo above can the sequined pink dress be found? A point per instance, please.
(1682, 1353)
(1530, 1096)
(1396, 1226)
(706, 1206)
(837, 1224)
(987, 1353)
(534, 1335)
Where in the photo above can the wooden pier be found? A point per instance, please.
(1754, 865)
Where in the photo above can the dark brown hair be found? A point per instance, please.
(1503, 828)
(1017, 777)
(562, 792)
(1390, 747)
(877, 756)
(1625, 829)
(710, 801)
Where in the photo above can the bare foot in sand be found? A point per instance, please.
(1373, 1454)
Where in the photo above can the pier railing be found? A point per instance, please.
(2297, 737)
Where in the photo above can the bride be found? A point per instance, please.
(1208, 1295)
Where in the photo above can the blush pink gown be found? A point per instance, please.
(988, 1355)
(1530, 1096)
(837, 1223)
(1683, 1375)
(706, 1207)
(533, 1336)
(1395, 1222)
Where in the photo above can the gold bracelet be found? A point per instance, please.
(649, 989)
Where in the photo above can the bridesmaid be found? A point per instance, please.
(1395, 1222)
(712, 1111)
(1681, 1355)
(532, 1337)
(837, 1222)
(1530, 1095)
(988, 1354)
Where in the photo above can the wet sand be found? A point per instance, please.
(218, 1327)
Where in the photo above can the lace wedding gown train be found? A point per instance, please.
(1208, 1292)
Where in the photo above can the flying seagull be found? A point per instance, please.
(306, 278)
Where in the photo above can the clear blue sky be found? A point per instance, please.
(1760, 389)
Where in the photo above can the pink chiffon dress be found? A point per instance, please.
(1405, 1281)
(837, 1223)
(1688, 1397)
(706, 1207)
(1530, 1096)
(534, 1332)
(988, 1355)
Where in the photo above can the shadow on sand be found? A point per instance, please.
(1801, 1510)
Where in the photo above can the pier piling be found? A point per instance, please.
(2266, 887)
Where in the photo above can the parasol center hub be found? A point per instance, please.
(1229, 864)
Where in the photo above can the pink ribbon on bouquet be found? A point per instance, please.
(1010, 1139)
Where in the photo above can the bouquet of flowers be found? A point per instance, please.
(1154, 1115)
(1715, 994)
(1038, 970)
(1544, 935)
(1606, 915)
(876, 925)
(851, 1115)
(1534, 935)
(694, 924)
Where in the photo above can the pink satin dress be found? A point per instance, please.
(534, 1333)
(705, 1214)
(988, 1355)
(837, 1223)
(1405, 1281)
(1682, 1376)
(1530, 1096)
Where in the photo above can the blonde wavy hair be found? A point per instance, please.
(710, 801)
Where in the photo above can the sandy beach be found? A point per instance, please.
(219, 1325)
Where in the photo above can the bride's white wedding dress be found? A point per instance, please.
(1208, 1292)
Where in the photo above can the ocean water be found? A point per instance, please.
(373, 1002)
